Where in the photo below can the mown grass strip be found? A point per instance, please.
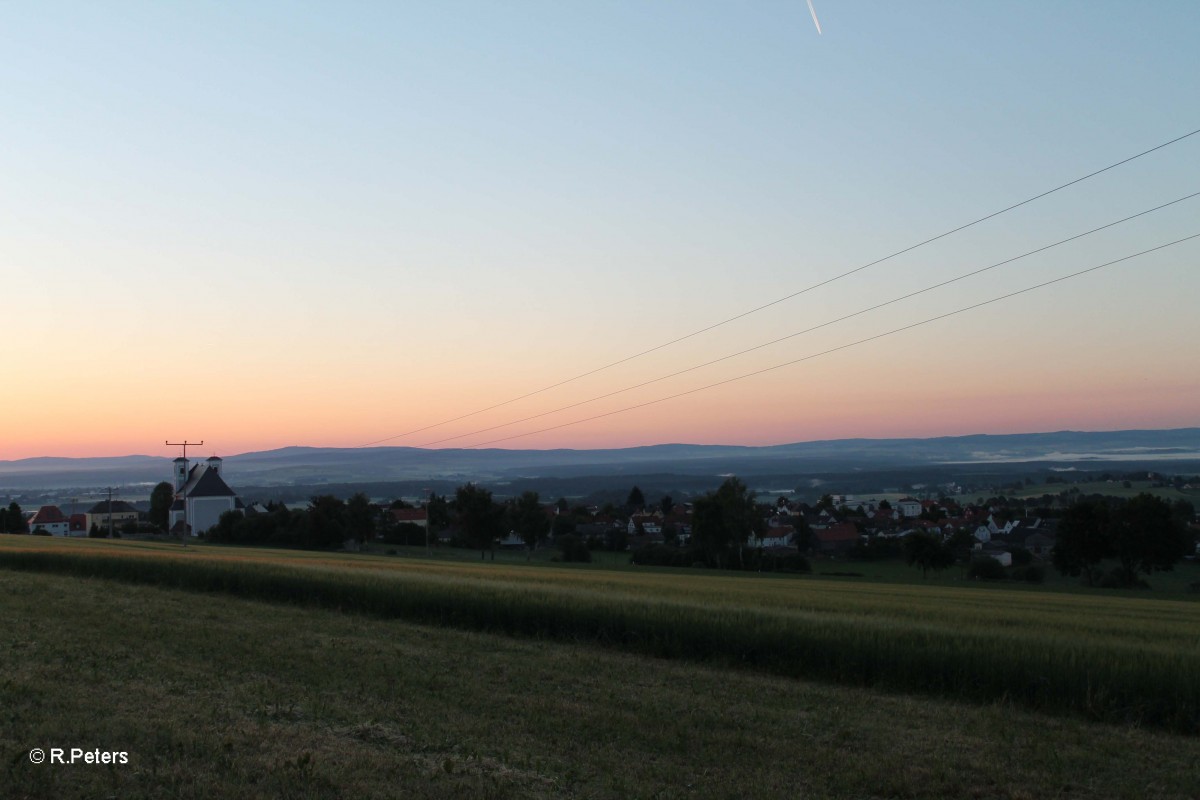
(1089, 676)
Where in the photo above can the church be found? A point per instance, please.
(201, 497)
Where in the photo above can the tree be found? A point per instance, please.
(572, 548)
(1082, 540)
(437, 511)
(667, 504)
(360, 518)
(562, 525)
(961, 544)
(15, 520)
(479, 517)
(527, 518)
(326, 522)
(803, 536)
(725, 519)
(1184, 511)
(1146, 537)
(226, 529)
(160, 504)
(636, 499)
(927, 551)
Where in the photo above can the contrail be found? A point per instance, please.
(816, 21)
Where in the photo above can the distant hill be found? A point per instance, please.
(317, 465)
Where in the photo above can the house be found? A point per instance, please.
(511, 541)
(51, 520)
(201, 497)
(836, 538)
(909, 507)
(1041, 544)
(774, 536)
(77, 525)
(413, 516)
(114, 512)
(988, 531)
(644, 523)
(865, 505)
(1037, 537)
(885, 515)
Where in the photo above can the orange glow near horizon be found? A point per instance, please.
(743, 418)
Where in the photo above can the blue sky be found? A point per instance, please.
(374, 216)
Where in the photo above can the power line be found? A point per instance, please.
(765, 306)
(813, 328)
(838, 348)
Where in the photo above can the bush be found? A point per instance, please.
(986, 569)
(876, 548)
(756, 561)
(1034, 573)
(408, 533)
(1116, 579)
(658, 555)
(1021, 557)
(572, 548)
(792, 562)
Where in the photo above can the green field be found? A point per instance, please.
(604, 683)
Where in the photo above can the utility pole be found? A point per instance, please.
(109, 489)
(184, 444)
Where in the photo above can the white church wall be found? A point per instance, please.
(205, 512)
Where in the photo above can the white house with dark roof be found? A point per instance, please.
(201, 496)
(51, 520)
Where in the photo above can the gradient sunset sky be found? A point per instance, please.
(265, 224)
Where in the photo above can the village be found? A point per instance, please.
(199, 503)
(1003, 537)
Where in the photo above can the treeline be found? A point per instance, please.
(327, 523)
(474, 518)
(1144, 534)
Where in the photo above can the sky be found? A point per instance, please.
(345, 224)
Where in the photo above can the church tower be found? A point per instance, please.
(181, 473)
